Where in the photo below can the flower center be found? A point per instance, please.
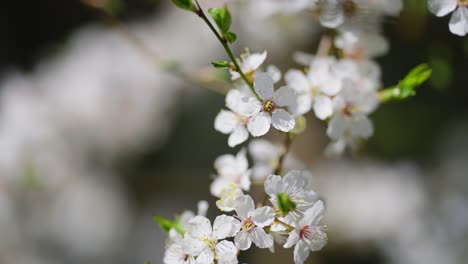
(304, 232)
(268, 106)
(463, 3)
(349, 109)
(349, 7)
(248, 225)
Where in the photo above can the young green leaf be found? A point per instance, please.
(164, 223)
(222, 17)
(185, 4)
(220, 64)
(230, 37)
(407, 87)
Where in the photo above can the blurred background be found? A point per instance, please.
(96, 138)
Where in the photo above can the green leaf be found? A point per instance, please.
(185, 4)
(164, 223)
(407, 87)
(222, 17)
(220, 64)
(230, 37)
(285, 204)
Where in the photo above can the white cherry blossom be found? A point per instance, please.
(231, 170)
(175, 254)
(270, 112)
(308, 236)
(458, 24)
(252, 222)
(296, 186)
(350, 121)
(202, 240)
(227, 198)
(249, 63)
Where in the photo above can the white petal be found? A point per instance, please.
(337, 127)
(241, 160)
(244, 204)
(225, 226)
(293, 238)
(259, 124)
(250, 106)
(175, 254)
(301, 252)
(225, 122)
(193, 246)
(263, 216)
(313, 215)
(263, 85)
(206, 257)
(282, 120)
(260, 238)
(274, 185)
(218, 185)
(234, 100)
(202, 207)
(253, 61)
(331, 14)
(274, 73)
(441, 7)
(228, 197)
(242, 240)
(361, 126)
(318, 240)
(297, 80)
(323, 107)
(225, 164)
(459, 22)
(226, 252)
(199, 227)
(303, 104)
(284, 96)
(263, 150)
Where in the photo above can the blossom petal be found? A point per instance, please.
(323, 107)
(331, 15)
(225, 122)
(263, 85)
(260, 238)
(303, 104)
(225, 226)
(274, 185)
(282, 120)
(244, 204)
(337, 127)
(274, 73)
(242, 240)
(313, 215)
(263, 216)
(259, 124)
(226, 252)
(193, 246)
(361, 126)
(297, 80)
(293, 238)
(459, 22)
(253, 61)
(441, 8)
(199, 227)
(206, 257)
(218, 185)
(318, 240)
(284, 96)
(301, 252)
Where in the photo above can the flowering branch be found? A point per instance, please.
(224, 43)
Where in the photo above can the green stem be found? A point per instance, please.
(226, 47)
(289, 227)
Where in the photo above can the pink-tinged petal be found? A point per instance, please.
(301, 252)
(259, 124)
(441, 8)
(323, 107)
(282, 120)
(260, 238)
(242, 240)
(263, 216)
(238, 136)
(293, 238)
(284, 96)
(226, 226)
(263, 85)
(225, 122)
(459, 22)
